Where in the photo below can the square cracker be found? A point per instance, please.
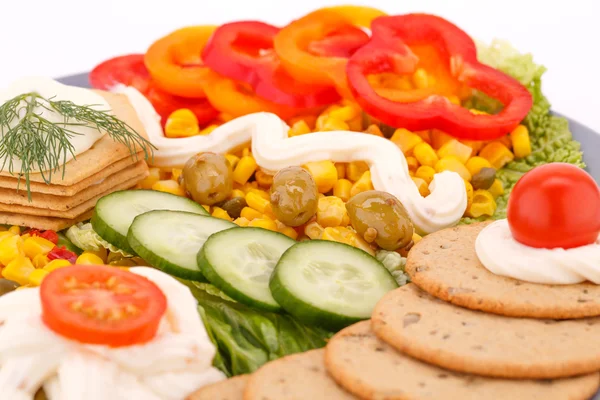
(12, 201)
(103, 153)
(77, 210)
(42, 223)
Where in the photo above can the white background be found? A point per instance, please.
(59, 37)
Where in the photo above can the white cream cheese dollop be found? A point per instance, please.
(274, 150)
(174, 364)
(501, 254)
(50, 89)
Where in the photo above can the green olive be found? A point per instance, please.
(484, 178)
(294, 196)
(380, 217)
(208, 178)
(234, 206)
(7, 286)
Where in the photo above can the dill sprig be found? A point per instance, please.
(43, 146)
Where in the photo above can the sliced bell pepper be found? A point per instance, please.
(389, 50)
(341, 43)
(237, 99)
(244, 51)
(301, 55)
(175, 64)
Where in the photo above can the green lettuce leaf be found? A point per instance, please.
(551, 139)
(247, 338)
(84, 237)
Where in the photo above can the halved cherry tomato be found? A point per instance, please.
(130, 70)
(175, 62)
(555, 205)
(102, 305)
(48, 235)
(61, 253)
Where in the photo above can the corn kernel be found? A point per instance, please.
(355, 169)
(313, 230)
(347, 236)
(181, 123)
(256, 202)
(476, 145)
(36, 277)
(332, 124)
(176, 173)
(469, 190)
(206, 207)
(506, 141)
(497, 154)
(11, 247)
(345, 113)
(341, 170)
(246, 151)
(56, 264)
(412, 163)
(241, 221)
(422, 186)
(477, 112)
(151, 179)
(299, 128)
(416, 238)
(15, 229)
(425, 154)
(439, 138)
(362, 185)
(35, 245)
(18, 270)
(426, 173)
(265, 180)
(420, 79)
(496, 189)
(233, 160)
(520, 141)
(455, 148)
(405, 140)
(237, 193)
(259, 192)
(451, 163)
(263, 223)
(330, 211)
(320, 123)
(483, 204)
(169, 186)
(289, 232)
(453, 99)
(5, 234)
(374, 130)
(324, 173)
(218, 212)
(309, 120)
(244, 169)
(208, 130)
(102, 253)
(40, 261)
(476, 164)
(250, 213)
(87, 258)
(342, 189)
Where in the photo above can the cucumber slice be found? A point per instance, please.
(240, 261)
(329, 284)
(171, 240)
(115, 212)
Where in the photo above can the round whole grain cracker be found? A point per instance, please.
(371, 369)
(296, 377)
(445, 265)
(474, 342)
(229, 389)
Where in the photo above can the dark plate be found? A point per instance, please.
(588, 138)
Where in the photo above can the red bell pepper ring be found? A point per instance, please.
(48, 235)
(243, 51)
(389, 51)
(61, 253)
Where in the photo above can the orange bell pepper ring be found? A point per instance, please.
(297, 45)
(175, 62)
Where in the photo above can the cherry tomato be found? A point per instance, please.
(130, 70)
(61, 253)
(555, 205)
(103, 305)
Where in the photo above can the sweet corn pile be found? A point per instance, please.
(426, 152)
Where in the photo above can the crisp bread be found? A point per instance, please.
(42, 204)
(445, 265)
(43, 223)
(371, 369)
(103, 153)
(230, 389)
(469, 341)
(77, 210)
(295, 377)
(8, 182)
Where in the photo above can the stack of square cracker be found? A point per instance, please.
(108, 166)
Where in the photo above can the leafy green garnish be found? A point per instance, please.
(42, 145)
(551, 139)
